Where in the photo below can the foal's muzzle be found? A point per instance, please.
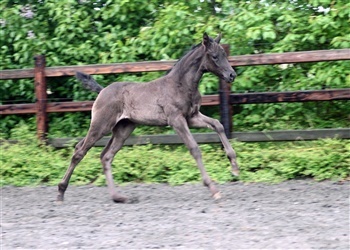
(230, 77)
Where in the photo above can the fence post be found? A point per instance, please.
(226, 110)
(41, 96)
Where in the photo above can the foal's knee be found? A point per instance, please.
(62, 186)
(195, 152)
(218, 126)
(78, 156)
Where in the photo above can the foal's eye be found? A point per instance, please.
(215, 57)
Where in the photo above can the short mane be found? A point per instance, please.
(193, 48)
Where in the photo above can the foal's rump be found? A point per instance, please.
(138, 102)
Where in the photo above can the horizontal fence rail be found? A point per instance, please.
(208, 100)
(201, 138)
(149, 66)
(291, 96)
(260, 136)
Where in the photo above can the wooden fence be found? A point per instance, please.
(258, 136)
(225, 98)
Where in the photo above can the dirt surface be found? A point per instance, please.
(290, 215)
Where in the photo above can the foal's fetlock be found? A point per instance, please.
(213, 190)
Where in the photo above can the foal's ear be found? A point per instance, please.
(206, 40)
(218, 38)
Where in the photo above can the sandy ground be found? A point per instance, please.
(292, 215)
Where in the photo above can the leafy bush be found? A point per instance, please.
(29, 163)
(88, 32)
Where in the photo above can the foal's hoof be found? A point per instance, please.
(59, 199)
(217, 196)
(125, 200)
(234, 169)
(235, 172)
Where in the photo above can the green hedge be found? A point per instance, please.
(26, 163)
(70, 32)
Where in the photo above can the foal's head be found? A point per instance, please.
(216, 59)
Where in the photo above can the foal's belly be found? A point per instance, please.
(148, 115)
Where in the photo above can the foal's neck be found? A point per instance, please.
(188, 71)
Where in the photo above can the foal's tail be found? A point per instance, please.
(88, 82)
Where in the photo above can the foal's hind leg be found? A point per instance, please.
(94, 134)
(203, 121)
(120, 133)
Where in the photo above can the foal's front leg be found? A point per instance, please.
(180, 126)
(202, 121)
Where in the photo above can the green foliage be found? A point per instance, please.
(289, 116)
(275, 162)
(29, 163)
(89, 32)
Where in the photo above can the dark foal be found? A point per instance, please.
(172, 100)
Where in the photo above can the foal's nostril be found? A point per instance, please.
(232, 75)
